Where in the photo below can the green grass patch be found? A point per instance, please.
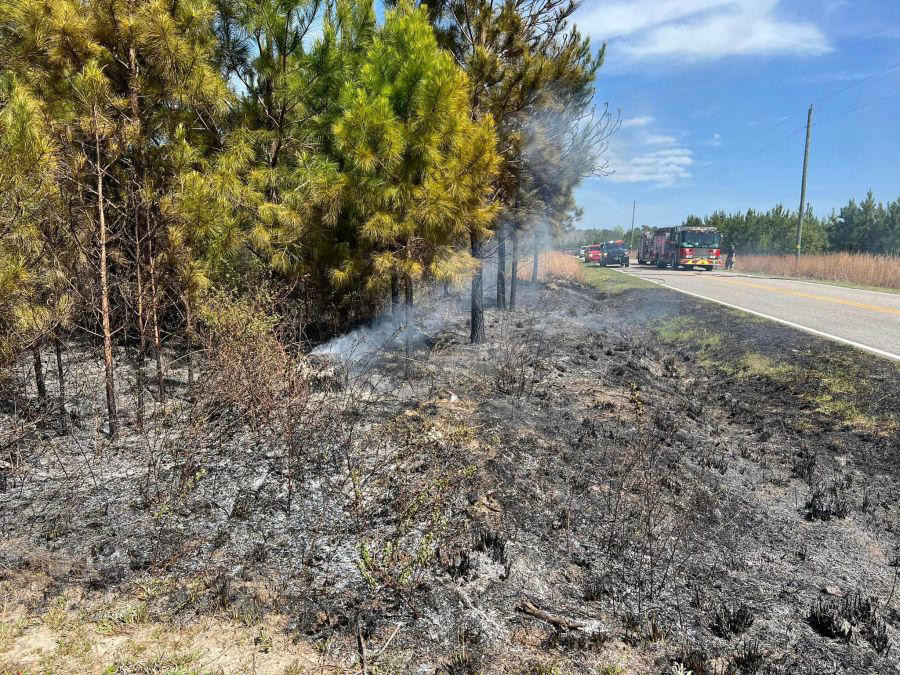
(756, 364)
(680, 329)
(612, 281)
(708, 344)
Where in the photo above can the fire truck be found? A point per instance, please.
(645, 247)
(681, 246)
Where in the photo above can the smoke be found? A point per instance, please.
(432, 314)
(361, 344)
(565, 140)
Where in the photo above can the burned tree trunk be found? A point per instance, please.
(501, 268)
(141, 354)
(476, 335)
(513, 275)
(61, 379)
(154, 318)
(139, 213)
(534, 266)
(39, 380)
(104, 290)
(395, 295)
(189, 338)
(408, 318)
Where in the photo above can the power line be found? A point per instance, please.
(788, 136)
(799, 112)
(854, 109)
(782, 140)
(737, 164)
(850, 86)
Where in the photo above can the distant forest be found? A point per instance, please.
(867, 226)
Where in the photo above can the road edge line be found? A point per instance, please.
(827, 284)
(806, 329)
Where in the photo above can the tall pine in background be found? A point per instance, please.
(521, 57)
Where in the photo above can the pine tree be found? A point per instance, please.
(419, 167)
(117, 79)
(33, 297)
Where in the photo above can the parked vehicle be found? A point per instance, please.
(581, 252)
(615, 253)
(593, 254)
(686, 247)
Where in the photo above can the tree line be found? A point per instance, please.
(154, 155)
(599, 235)
(865, 227)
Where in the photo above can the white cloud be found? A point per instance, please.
(641, 153)
(658, 139)
(697, 30)
(637, 121)
(715, 141)
(661, 167)
(608, 19)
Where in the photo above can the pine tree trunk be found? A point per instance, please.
(395, 295)
(141, 356)
(104, 292)
(534, 266)
(501, 268)
(477, 335)
(154, 318)
(61, 379)
(190, 341)
(39, 372)
(514, 272)
(446, 288)
(138, 213)
(408, 318)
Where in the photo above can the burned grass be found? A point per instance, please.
(624, 480)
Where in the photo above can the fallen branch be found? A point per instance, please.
(561, 622)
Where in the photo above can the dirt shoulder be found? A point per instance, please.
(622, 480)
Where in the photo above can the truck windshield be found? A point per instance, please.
(700, 239)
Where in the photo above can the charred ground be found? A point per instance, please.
(623, 478)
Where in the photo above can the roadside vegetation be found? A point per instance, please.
(859, 269)
(552, 265)
(243, 430)
(845, 395)
(158, 162)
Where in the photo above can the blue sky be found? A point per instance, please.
(697, 79)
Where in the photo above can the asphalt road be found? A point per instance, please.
(866, 319)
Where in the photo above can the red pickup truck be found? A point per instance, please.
(593, 254)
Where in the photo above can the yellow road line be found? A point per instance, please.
(801, 294)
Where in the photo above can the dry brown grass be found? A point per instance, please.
(109, 632)
(552, 265)
(882, 271)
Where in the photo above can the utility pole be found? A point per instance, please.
(803, 184)
(631, 236)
